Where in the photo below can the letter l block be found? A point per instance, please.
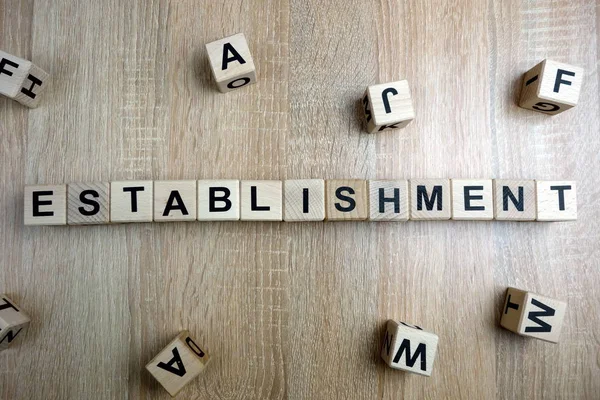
(409, 348)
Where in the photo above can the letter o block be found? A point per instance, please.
(21, 80)
(231, 62)
(388, 106)
(409, 348)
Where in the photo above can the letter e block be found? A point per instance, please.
(45, 205)
(556, 200)
(218, 200)
(388, 106)
(231, 62)
(21, 80)
(472, 200)
(13, 322)
(388, 200)
(89, 203)
(174, 201)
(409, 348)
(514, 200)
(261, 200)
(346, 200)
(304, 200)
(430, 199)
(131, 201)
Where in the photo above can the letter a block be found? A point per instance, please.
(529, 314)
(231, 62)
(13, 322)
(388, 106)
(178, 363)
(21, 80)
(175, 201)
(551, 87)
(409, 348)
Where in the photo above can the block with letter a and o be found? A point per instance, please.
(472, 199)
(13, 322)
(514, 200)
(409, 348)
(530, 314)
(346, 200)
(304, 200)
(551, 87)
(178, 363)
(45, 205)
(388, 106)
(174, 201)
(388, 200)
(131, 201)
(556, 200)
(219, 200)
(261, 200)
(21, 80)
(430, 199)
(88, 203)
(231, 63)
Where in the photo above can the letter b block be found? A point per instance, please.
(13, 322)
(388, 106)
(21, 80)
(231, 62)
(409, 348)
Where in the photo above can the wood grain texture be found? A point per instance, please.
(297, 310)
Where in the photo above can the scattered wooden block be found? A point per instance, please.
(131, 201)
(472, 199)
(388, 106)
(174, 201)
(409, 348)
(530, 314)
(430, 199)
(346, 200)
(514, 200)
(231, 62)
(21, 80)
(178, 363)
(45, 205)
(388, 200)
(261, 200)
(304, 200)
(13, 322)
(551, 87)
(88, 203)
(218, 200)
(556, 200)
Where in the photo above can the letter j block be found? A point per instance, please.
(388, 106)
(409, 348)
(231, 62)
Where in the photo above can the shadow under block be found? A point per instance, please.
(88, 203)
(178, 363)
(45, 205)
(409, 348)
(556, 200)
(304, 200)
(472, 199)
(514, 200)
(218, 200)
(551, 87)
(388, 106)
(529, 314)
(131, 201)
(430, 199)
(231, 62)
(21, 80)
(346, 200)
(13, 322)
(388, 200)
(174, 201)
(261, 201)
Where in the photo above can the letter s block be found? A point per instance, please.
(231, 62)
(551, 87)
(388, 106)
(13, 322)
(529, 314)
(21, 80)
(409, 348)
(178, 363)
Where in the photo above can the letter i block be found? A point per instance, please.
(13, 322)
(231, 62)
(178, 363)
(21, 80)
(551, 87)
(409, 348)
(529, 314)
(388, 106)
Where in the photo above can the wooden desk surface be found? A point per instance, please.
(296, 310)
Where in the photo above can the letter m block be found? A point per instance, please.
(409, 348)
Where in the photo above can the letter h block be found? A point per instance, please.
(13, 322)
(409, 348)
(178, 363)
(21, 80)
(388, 106)
(529, 314)
(231, 62)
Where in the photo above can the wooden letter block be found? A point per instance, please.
(231, 62)
(529, 314)
(174, 201)
(262, 200)
(514, 200)
(178, 363)
(551, 87)
(21, 80)
(89, 203)
(218, 200)
(13, 322)
(45, 205)
(388, 200)
(131, 201)
(304, 200)
(347, 200)
(409, 348)
(430, 199)
(556, 200)
(472, 200)
(388, 106)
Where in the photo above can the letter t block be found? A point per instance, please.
(409, 348)
(388, 106)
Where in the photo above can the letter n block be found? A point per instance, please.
(551, 87)
(231, 62)
(21, 80)
(409, 348)
(530, 314)
(13, 322)
(388, 106)
(178, 363)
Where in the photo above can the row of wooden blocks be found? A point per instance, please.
(300, 200)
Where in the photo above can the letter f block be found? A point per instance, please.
(388, 106)
(409, 348)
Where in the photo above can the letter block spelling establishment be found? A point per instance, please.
(409, 348)
(388, 106)
(231, 62)
(131, 201)
(178, 363)
(21, 80)
(89, 203)
(472, 200)
(304, 200)
(261, 201)
(430, 199)
(175, 201)
(514, 200)
(529, 314)
(45, 205)
(218, 200)
(13, 322)
(556, 200)
(346, 200)
(388, 200)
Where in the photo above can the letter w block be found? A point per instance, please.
(409, 348)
